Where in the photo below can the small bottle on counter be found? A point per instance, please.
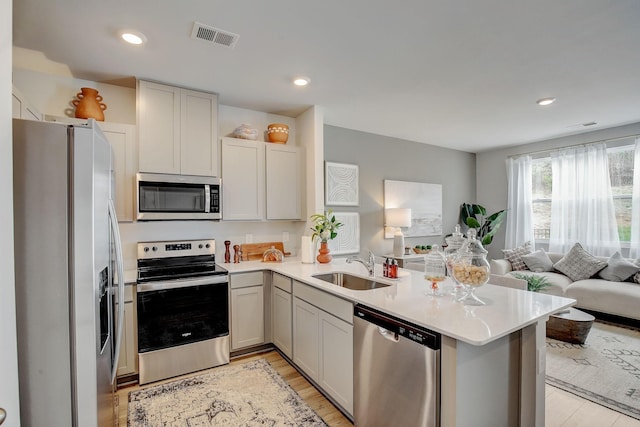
(393, 269)
(385, 268)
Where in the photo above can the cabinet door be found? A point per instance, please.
(158, 127)
(199, 133)
(336, 359)
(122, 138)
(284, 174)
(242, 179)
(281, 317)
(128, 353)
(305, 337)
(247, 317)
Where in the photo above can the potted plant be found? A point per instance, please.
(534, 283)
(475, 216)
(325, 228)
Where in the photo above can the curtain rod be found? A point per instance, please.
(585, 144)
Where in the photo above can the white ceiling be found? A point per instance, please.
(463, 74)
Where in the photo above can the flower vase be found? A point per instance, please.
(324, 256)
(88, 105)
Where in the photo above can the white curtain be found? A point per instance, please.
(519, 227)
(582, 207)
(634, 250)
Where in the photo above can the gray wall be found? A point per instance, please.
(492, 171)
(379, 158)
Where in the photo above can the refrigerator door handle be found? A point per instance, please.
(120, 267)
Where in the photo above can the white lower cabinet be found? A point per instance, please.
(128, 356)
(247, 309)
(281, 315)
(335, 373)
(306, 345)
(323, 341)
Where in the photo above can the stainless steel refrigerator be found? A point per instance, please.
(66, 240)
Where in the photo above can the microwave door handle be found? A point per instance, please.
(120, 267)
(207, 198)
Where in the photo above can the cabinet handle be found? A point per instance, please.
(3, 415)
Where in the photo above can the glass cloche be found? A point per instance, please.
(469, 267)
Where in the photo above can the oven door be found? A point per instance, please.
(180, 312)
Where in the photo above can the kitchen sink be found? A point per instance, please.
(349, 281)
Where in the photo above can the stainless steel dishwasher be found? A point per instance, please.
(396, 371)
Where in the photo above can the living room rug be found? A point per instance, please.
(251, 394)
(605, 369)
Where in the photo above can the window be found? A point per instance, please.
(621, 179)
(541, 197)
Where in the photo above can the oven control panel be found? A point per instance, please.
(148, 250)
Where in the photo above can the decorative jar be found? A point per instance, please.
(278, 133)
(89, 105)
(470, 268)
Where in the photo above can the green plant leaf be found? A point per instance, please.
(472, 222)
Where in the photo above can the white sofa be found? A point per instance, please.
(596, 294)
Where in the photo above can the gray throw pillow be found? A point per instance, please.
(514, 256)
(579, 264)
(538, 261)
(618, 269)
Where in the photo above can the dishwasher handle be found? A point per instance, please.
(395, 328)
(387, 334)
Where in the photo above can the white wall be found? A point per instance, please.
(8, 347)
(379, 158)
(491, 171)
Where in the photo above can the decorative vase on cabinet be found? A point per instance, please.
(89, 105)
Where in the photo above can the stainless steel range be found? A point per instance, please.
(183, 309)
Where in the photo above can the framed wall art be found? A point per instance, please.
(348, 239)
(341, 184)
(425, 202)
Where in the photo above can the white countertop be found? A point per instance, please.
(507, 310)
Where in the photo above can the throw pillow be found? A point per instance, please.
(618, 269)
(538, 261)
(579, 264)
(514, 256)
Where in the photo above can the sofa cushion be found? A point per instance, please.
(579, 264)
(605, 296)
(558, 282)
(515, 256)
(538, 261)
(618, 269)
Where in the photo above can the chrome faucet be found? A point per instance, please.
(369, 265)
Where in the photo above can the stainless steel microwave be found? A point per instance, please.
(177, 197)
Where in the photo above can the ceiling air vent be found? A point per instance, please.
(214, 35)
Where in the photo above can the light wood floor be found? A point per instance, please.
(562, 409)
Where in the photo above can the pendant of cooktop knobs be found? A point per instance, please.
(227, 252)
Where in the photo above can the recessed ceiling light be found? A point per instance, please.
(301, 81)
(133, 37)
(545, 101)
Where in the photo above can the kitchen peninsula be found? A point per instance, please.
(492, 360)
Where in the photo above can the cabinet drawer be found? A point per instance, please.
(327, 302)
(243, 280)
(282, 282)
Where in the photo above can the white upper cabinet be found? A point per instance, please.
(122, 138)
(242, 179)
(178, 130)
(284, 176)
(261, 180)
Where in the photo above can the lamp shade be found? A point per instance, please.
(397, 217)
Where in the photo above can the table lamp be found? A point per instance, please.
(398, 218)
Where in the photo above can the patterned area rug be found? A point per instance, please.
(252, 394)
(605, 369)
